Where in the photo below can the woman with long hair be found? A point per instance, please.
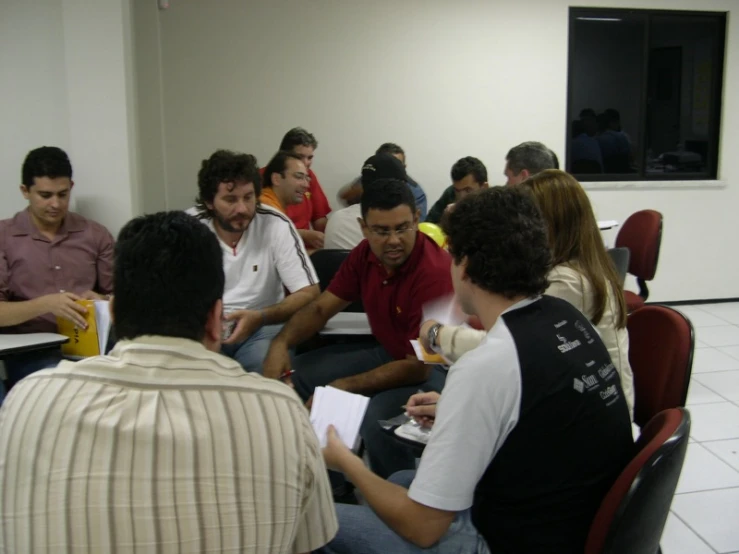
(582, 273)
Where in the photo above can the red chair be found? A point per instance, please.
(633, 513)
(641, 233)
(661, 345)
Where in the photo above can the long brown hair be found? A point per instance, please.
(574, 236)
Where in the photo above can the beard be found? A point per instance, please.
(233, 225)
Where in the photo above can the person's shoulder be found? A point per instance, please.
(314, 182)
(360, 251)
(270, 218)
(495, 358)
(433, 254)
(79, 221)
(6, 225)
(566, 273)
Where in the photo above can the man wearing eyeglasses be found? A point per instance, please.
(394, 271)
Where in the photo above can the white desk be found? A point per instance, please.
(15, 344)
(605, 225)
(347, 323)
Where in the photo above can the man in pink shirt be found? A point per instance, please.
(49, 259)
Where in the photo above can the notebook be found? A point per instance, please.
(344, 410)
(90, 341)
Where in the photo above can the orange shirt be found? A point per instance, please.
(269, 198)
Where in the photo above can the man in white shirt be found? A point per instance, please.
(164, 445)
(343, 231)
(263, 255)
(531, 429)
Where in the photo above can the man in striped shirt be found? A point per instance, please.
(164, 445)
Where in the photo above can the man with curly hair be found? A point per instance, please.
(531, 429)
(263, 255)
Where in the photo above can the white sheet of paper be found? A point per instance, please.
(419, 353)
(344, 410)
(103, 321)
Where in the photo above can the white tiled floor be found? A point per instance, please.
(705, 511)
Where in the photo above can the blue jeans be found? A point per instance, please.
(22, 365)
(320, 367)
(251, 353)
(362, 532)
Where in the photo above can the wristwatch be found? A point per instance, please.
(433, 336)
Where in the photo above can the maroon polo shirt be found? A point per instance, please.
(80, 258)
(394, 303)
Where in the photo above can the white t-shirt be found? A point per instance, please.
(531, 430)
(343, 231)
(269, 258)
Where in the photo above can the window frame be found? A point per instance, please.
(717, 89)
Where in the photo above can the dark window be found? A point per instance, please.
(644, 94)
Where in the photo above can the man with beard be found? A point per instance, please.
(394, 271)
(262, 256)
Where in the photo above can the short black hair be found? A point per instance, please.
(297, 136)
(390, 148)
(167, 274)
(467, 166)
(386, 194)
(225, 166)
(278, 164)
(517, 260)
(531, 156)
(46, 161)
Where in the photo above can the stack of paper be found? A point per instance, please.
(344, 410)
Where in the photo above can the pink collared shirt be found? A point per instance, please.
(80, 258)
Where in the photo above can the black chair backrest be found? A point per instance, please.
(620, 257)
(327, 263)
(639, 518)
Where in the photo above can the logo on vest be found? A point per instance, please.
(578, 385)
(585, 332)
(590, 381)
(566, 345)
(606, 372)
(560, 324)
(609, 392)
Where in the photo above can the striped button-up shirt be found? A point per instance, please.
(161, 446)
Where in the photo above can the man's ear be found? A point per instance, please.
(525, 174)
(214, 327)
(364, 227)
(273, 179)
(485, 185)
(24, 191)
(463, 266)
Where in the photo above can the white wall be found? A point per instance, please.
(66, 74)
(33, 111)
(443, 79)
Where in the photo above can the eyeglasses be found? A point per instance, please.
(387, 233)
